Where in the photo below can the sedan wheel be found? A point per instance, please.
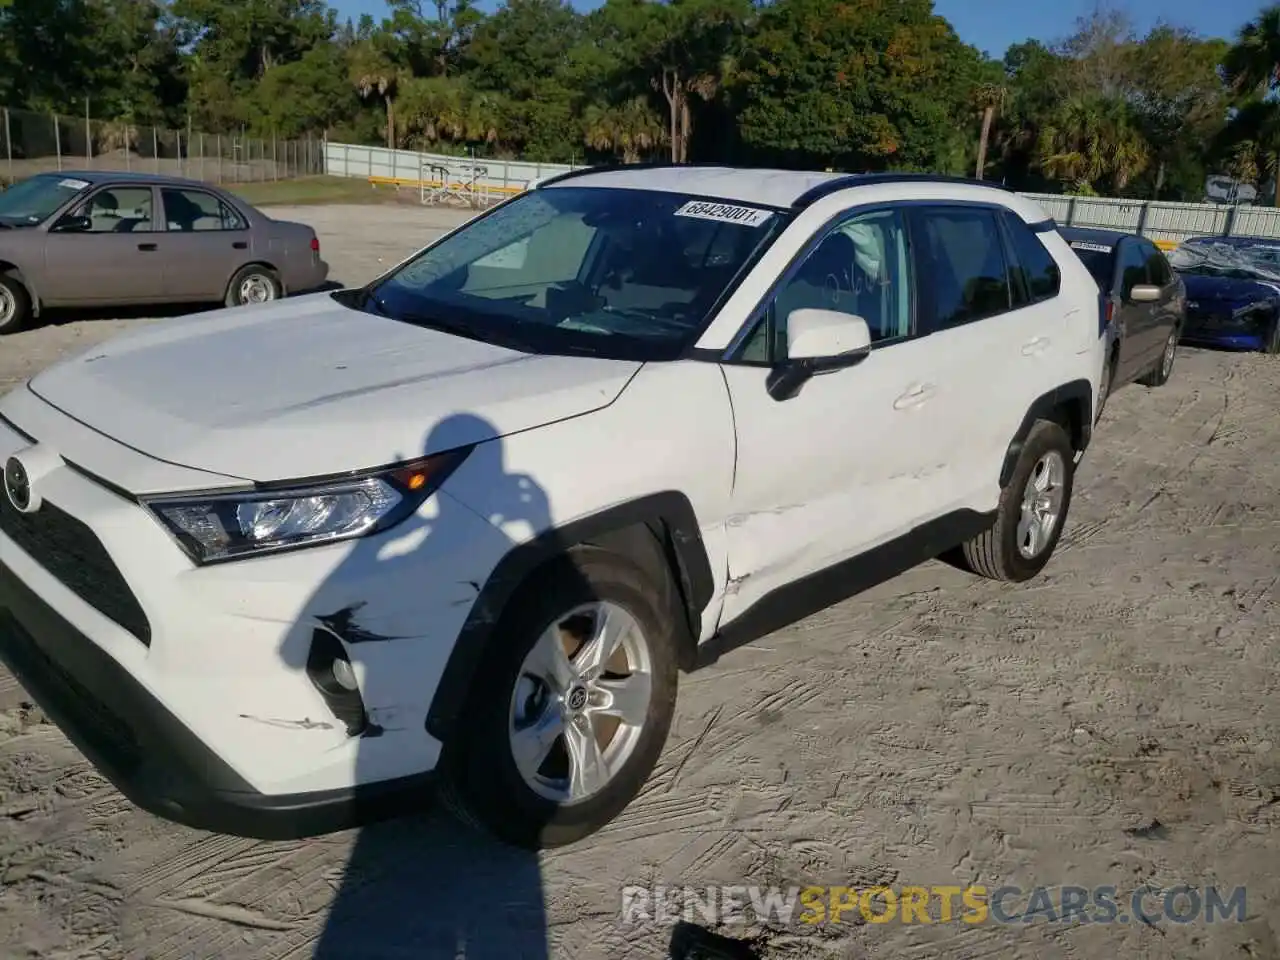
(256, 288)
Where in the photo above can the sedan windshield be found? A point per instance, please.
(31, 201)
(1098, 259)
(627, 274)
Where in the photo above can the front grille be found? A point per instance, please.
(73, 554)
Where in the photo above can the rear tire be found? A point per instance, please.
(534, 804)
(1159, 375)
(1010, 551)
(15, 305)
(253, 284)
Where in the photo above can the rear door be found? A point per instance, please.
(114, 260)
(205, 242)
(991, 339)
(1135, 322)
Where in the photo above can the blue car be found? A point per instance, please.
(1233, 292)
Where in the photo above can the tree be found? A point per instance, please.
(630, 129)
(374, 72)
(1252, 67)
(989, 97)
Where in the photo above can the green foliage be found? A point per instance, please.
(847, 84)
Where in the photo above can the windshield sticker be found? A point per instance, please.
(1081, 245)
(725, 213)
(71, 184)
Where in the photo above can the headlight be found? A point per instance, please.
(217, 527)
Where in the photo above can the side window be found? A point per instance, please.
(965, 257)
(194, 211)
(1157, 267)
(118, 210)
(859, 268)
(1035, 272)
(1133, 266)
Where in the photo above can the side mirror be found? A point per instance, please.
(1144, 293)
(818, 341)
(73, 225)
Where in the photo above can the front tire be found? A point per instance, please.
(1031, 512)
(253, 284)
(15, 305)
(571, 706)
(1272, 346)
(1158, 376)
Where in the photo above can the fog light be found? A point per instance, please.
(344, 675)
(332, 674)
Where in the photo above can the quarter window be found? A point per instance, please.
(194, 211)
(1035, 272)
(969, 279)
(859, 268)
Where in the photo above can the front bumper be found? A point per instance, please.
(190, 686)
(1220, 330)
(151, 756)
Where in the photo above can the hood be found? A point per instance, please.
(307, 387)
(1204, 289)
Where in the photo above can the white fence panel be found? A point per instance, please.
(506, 176)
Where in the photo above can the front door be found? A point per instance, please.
(112, 257)
(205, 242)
(1136, 321)
(845, 463)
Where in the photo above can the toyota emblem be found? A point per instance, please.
(17, 484)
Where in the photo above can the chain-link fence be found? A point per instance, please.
(33, 143)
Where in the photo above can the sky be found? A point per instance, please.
(993, 25)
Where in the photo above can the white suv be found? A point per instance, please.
(276, 569)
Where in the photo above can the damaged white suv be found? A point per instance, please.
(277, 569)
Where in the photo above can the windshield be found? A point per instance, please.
(32, 201)
(1238, 261)
(1097, 258)
(627, 274)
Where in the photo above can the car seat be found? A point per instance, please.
(104, 213)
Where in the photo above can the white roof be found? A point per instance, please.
(781, 188)
(772, 188)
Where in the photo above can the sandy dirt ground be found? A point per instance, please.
(1114, 722)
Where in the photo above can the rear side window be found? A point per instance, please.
(1036, 273)
(964, 259)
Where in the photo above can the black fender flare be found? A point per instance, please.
(662, 524)
(1076, 397)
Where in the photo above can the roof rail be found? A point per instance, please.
(814, 194)
(612, 167)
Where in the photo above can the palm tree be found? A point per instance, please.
(631, 129)
(1091, 139)
(373, 72)
(1252, 66)
(989, 97)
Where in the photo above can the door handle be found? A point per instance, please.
(146, 246)
(1038, 345)
(241, 245)
(916, 394)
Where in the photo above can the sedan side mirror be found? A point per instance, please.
(1144, 293)
(73, 225)
(818, 341)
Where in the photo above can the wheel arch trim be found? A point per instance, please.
(1077, 395)
(668, 516)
